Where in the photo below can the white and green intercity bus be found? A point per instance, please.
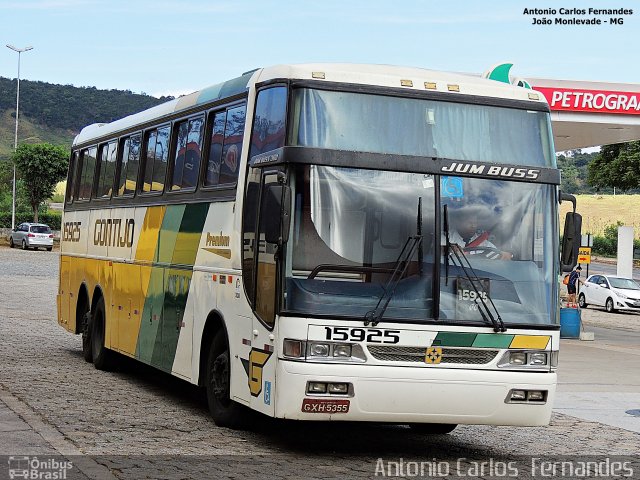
(327, 242)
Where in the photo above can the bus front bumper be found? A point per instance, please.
(412, 395)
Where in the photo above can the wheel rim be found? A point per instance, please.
(609, 305)
(24, 245)
(581, 301)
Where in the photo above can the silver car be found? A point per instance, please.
(31, 235)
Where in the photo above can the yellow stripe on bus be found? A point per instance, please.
(530, 341)
(148, 241)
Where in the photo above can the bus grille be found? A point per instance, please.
(468, 356)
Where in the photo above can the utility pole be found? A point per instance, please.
(15, 139)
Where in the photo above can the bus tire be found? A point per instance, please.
(102, 356)
(224, 411)
(86, 337)
(433, 428)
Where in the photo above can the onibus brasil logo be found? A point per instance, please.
(41, 469)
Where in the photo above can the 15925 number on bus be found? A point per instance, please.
(370, 335)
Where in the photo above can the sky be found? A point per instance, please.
(173, 47)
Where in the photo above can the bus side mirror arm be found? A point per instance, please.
(569, 198)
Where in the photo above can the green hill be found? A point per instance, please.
(56, 113)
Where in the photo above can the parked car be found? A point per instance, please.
(611, 292)
(31, 235)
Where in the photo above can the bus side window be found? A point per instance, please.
(186, 166)
(71, 177)
(162, 157)
(225, 149)
(157, 154)
(269, 122)
(149, 160)
(129, 161)
(106, 169)
(86, 172)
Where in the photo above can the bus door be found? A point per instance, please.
(262, 364)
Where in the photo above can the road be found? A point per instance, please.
(609, 268)
(140, 423)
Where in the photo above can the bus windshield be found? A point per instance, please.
(411, 126)
(349, 227)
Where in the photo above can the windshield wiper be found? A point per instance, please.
(474, 280)
(402, 263)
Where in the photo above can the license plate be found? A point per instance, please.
(313, 405)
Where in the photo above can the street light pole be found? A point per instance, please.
(15, 139)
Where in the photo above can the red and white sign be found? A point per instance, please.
(598, 101)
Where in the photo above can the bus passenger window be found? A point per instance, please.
(149, 160)
(188, 148)
(232, 149)
(71, 178)
(130, 160)
(85, 175)
(155, 167)
(226, 146)
(215, 151)
(181, 151)
(162, 156)
(106, 170)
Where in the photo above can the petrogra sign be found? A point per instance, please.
(600, 101)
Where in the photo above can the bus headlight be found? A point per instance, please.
(528, 359)
(343, 350)
(322, 351)
(538, 358)
(319, 349)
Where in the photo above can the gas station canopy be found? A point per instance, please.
(588, 114)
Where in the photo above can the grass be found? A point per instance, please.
(600, 211)
(28, 132)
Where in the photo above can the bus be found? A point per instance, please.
(289, 241)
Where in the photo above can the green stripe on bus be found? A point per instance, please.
(178, 281)
(169, 232)
(490, 340)
(450, 339)
(188, 239)
(148, 337)
(150, 342)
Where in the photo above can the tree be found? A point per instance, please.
(41, 166)
(617, 166)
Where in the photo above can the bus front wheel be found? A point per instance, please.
(224, 411)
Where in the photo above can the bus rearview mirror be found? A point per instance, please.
(276, 213)
(571, 241)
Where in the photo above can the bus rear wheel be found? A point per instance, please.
(224, 411)
(103, 358)
(87, 354)
(433, 428)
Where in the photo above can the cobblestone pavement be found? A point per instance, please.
(136, 411)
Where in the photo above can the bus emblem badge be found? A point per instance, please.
(433, 355)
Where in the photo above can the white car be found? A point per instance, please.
(611, 292)
(31, 235)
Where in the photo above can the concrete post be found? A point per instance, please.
(625, 252)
